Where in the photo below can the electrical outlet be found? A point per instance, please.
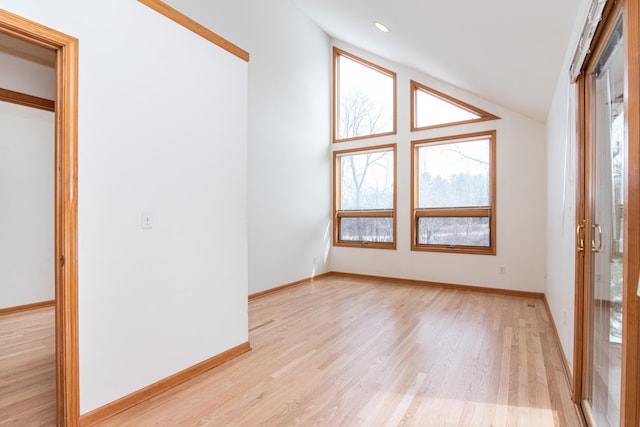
(315, 261)
(564, 317)
(503, 269)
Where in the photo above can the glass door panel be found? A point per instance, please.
(605, 259)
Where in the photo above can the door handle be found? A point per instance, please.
(580, 240)
(598, 249)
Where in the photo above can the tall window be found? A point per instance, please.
(365, 197)
(364, 98)
(454, 187)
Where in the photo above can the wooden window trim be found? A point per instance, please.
(488, 211)
(374, 213)
(383, 213)
(337, 52)
(415, 86)
(454, 213)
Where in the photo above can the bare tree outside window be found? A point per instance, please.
(454, 175)
(360, 116)
(367, 181)
(366, 185)
(365, 199)
(455, 183)
(365, 104)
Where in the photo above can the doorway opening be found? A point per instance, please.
(66, 198)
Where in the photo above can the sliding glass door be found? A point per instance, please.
(607, 370)
(605, 220)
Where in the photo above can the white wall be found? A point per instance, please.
(26, 205)
(162, 127)
(520, 200)
(561, 218)
(25, 76)
(289, 119)
(289, 162)
(152, 137)
(561, 202)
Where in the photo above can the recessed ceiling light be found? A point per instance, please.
(380, 26)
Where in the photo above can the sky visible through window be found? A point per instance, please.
(454, 192)
(367, 181)
(432, 111)
(460, 164)
(454, 174)
(366, 100)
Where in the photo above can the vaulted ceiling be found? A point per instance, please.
(509, 52)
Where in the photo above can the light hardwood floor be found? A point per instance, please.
(28, 368)
(353, 352)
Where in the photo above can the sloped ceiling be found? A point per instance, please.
(509, 52)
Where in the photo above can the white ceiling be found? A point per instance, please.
(509, 52)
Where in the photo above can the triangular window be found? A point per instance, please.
(431, 109)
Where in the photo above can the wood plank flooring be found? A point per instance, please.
(28, 368)
(353, 352)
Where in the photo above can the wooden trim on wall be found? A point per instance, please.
(13, 97)
(66, 205)
(288, 285)
(565, 362)
(498, 291)
(67, 232)
(26, 307)
(190, 24)
(100, 414)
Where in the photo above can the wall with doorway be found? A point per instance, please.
(162, 126)
(27, 213)
(26, 179)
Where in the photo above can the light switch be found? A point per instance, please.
(146, 220)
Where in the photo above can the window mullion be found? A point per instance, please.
(454, 212)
